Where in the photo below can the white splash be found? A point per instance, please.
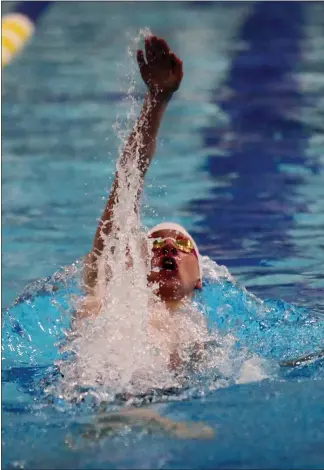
(113, 352)
(253, 369)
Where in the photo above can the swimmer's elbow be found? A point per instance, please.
(87, 307)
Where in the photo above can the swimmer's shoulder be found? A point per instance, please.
(194, 317)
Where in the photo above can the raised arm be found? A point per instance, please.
(161, 71)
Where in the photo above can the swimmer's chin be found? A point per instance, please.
(170, 282)
(163, 276)
(166, 290)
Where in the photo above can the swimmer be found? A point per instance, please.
(175, 266)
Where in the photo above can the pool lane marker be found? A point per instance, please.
(17, 28)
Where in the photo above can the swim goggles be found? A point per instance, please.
(183, 244)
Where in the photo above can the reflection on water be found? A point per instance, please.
(260, 162)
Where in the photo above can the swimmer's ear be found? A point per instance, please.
(198, 284)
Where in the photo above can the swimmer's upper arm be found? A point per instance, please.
(91, 263)
(89, 272)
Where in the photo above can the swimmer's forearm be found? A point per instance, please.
(142, 141)
(141, 144)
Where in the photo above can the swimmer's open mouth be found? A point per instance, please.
(169, 263)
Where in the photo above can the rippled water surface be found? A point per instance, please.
(240, 162)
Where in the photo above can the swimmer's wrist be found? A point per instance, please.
(160, 96)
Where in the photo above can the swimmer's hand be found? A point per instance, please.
(162, 70)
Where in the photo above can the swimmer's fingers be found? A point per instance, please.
(160, 49)
(149, 49)
(163, 46)
(156, 49)
(161, 69)
(176, 66)
(140, 60)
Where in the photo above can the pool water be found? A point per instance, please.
(239, 163)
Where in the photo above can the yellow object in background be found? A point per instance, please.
(16, 29)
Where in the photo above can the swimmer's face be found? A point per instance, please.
(176, 272)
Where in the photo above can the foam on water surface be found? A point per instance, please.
(112, 355)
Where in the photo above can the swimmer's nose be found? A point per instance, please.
(169, 248)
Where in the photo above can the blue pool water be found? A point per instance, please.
(240, 162)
